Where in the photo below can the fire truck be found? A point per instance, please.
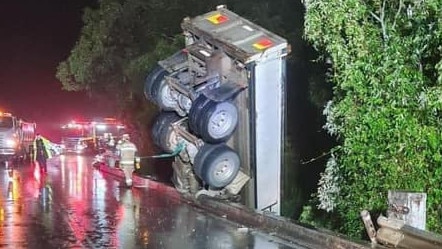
(86, 137)
(16, 138)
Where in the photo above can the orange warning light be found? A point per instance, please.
(217, 19)
(263, 44)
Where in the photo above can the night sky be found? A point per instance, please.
(35, 37)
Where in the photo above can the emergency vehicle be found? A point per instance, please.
(82, 137)
(16, 137)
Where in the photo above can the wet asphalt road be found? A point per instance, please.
(74, 205)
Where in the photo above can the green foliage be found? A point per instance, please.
(117, 39)
(136, 68)
(316, 217)
(386, 109)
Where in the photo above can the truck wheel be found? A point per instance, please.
(165, 98)
(217, 121)
(195, 110)
(162, 132)
(217, 165)
(213, 121)
(152, 79)
(200, 157)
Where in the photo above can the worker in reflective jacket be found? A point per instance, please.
(41, 151)
(127, 151)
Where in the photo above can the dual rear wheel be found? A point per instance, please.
(213, 121)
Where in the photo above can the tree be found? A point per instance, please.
(114, 38)
(386, 110)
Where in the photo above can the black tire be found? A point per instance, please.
(152, 80)
(162, 130)
(217, 121)
(200, 157)
(197, 106)
(216, 165)
(163, 96)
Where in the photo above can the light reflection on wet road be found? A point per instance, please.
(76, 206)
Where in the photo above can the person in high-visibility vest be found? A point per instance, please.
(41, 151)
(127, 151)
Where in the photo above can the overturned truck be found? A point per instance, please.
(222, 104)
